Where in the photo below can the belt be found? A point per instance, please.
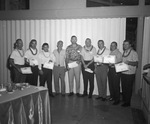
(102, 65)
(59, 65)
(111, 66)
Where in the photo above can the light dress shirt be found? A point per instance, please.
(45, 57)
(60, 57)
(31, 54)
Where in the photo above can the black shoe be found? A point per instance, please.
(90, 96)
(56, 94)
(110, 99)
(103, 99)
(116, 102)
(98, 97)
(78, 95)
(83, 95)
(125, 105)
(51, 95)
(63, 94)
(70, 94)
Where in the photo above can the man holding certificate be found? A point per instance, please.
(17, 61)
(31, 59)
(130, 57)
(113, 77)
(101, 71)
(73, 64)
(88, 52)
(46, 63)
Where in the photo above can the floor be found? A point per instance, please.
(82, 110)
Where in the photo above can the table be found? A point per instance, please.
(28, 106)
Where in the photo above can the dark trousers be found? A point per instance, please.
(114, 84)
(101, 78)
(46, 77)
(127, 86)
(18, 76)
(32, 79)
(88, 77)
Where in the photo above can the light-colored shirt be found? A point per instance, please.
(103, 51)
(133, 57)
(88, 54)
(118, 55)
(60, 57)
(31, 54)
(45, 57)
(18, 57)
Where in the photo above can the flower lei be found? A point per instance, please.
(32, 51)
(102, 51)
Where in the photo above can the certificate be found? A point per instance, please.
(120, 67)
(72, 64)
(109, 59)
(88, 70)
(33, 62)
(48, 65)
(26, 70)
(98, 59)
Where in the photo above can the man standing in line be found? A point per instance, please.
(113, 77)
(101, 71)
(130, 57)
(88, 52)
(45, 70)
(31, 59)
(59, 68)
(73, 56)
(17, 61)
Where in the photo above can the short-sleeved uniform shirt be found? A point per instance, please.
(18, 57)
(132, 56)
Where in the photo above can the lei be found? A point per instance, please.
(32, 51)
(87, 49)
(127, 54)
(21, 54)
(45, 55)
(101, 52)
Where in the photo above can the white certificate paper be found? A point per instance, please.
(98, 59)
(26, 70)
(33, 62)
(72, 64)
(48, 65)
(109, 59)
(88, 70)
(120, 67)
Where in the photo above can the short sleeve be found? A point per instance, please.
(135, 56)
